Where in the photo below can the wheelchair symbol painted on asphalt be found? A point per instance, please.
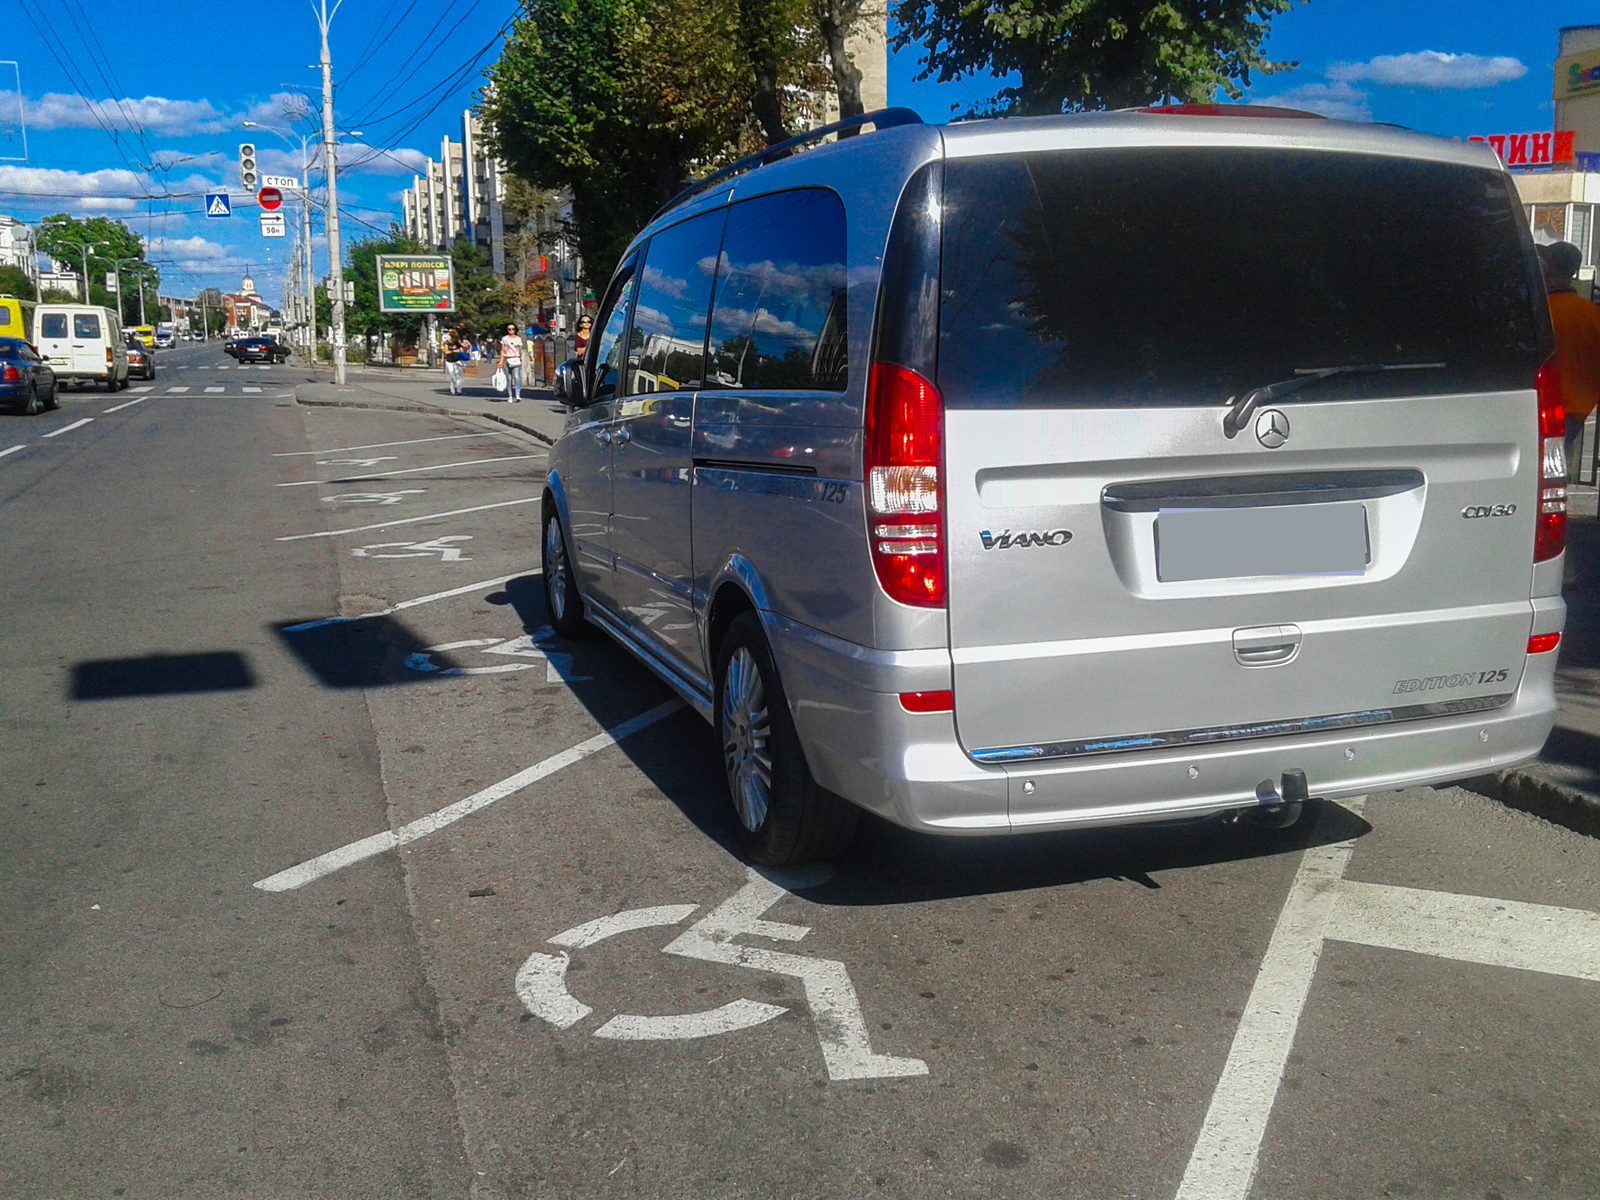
(841, 1028)
(558, 667)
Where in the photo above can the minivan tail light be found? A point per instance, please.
(108, 353)
(1550, 532)
(905, 513)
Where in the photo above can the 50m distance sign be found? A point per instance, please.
(415, 283)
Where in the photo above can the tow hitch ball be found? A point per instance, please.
(1280, 809)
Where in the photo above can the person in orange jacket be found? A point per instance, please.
(1577, 328)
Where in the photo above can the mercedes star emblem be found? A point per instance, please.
(1272, 428)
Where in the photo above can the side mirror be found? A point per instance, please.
(569, 387)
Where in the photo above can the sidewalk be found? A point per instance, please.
(1561, 785)
(423, 389)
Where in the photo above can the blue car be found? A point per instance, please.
(26, 380)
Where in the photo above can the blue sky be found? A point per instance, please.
(187, 74)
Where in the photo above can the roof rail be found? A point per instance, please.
(884, 118)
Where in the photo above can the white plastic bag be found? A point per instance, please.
(499, 380)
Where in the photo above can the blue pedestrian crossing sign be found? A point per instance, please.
(217, 205)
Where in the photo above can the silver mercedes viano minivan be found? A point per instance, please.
(1031, 474)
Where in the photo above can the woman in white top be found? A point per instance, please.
(511, 363)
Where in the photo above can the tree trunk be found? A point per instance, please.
(756, 18)
(835, 19)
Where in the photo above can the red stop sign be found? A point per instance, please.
(269, 198)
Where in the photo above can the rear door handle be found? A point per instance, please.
(602, 437)
(1265, 645)
(621, 435)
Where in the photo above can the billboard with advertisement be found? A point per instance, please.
(1578, 75)
(415, 283)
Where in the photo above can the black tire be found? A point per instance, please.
(111, 383)
(32, 408)
(562, 600)
(796, 821)
(55, 395)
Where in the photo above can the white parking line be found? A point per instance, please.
(176, 391)
(429, 599)
(449, 437)
(252, 391)
(125, 404)
(390, 839)
(455, 512)
(410, 470)
(13, 449)
(79, 424)
(214, 391)
(1224, 1156)
(145, 387)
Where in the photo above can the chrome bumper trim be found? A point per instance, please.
(1238, 733)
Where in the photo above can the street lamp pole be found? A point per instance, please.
(330, 165)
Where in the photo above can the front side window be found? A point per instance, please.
(779, 320)
(608, 347)
(85, 325)
(53, 325)
(669, 318)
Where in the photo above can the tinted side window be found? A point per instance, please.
(1180, 277)
(53, 325)
(779, 320)
(85, 325)
(669, 318)
(607, 348)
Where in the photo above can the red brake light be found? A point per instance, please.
(905, 521)
(1550, 533)
(1543, 643)
(11, 374)
(928, 702)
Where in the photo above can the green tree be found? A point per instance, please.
(363, 319)
(622, 101)
(1091, 54)
(63, 237)
(14, 281)
(483, 303)
(209, 302)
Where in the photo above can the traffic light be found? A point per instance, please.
(248, 175)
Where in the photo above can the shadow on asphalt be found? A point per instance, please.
(162, 675)
(887, 864)
(363, 652)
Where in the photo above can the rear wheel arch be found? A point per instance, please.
(727, 603)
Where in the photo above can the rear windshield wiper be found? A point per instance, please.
(1242, 408)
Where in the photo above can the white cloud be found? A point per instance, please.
(156, 114)
(371, 160)
(1337, 100)
(99, 190)
(1430, 71)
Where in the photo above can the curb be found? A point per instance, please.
(1534, 790)
(425, 408)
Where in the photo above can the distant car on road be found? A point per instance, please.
(260, 349)
(26, 380)
(141, 359)
(164, 337)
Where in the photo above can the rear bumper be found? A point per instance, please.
(911, 769)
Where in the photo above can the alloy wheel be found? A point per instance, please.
(747, 738)
(555, 568)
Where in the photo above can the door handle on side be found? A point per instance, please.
(602, 437)
(1266, 645)
(621, 435)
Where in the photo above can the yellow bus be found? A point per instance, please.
(146, 335)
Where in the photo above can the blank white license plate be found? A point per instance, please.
(1289, 539)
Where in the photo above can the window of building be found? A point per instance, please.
(779, 320)
(669, 318)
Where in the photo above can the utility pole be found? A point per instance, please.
(330, 164)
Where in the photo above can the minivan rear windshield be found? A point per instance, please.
(1160, 277)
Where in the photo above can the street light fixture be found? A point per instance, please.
(84, 251)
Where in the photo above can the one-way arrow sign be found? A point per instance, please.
(217, 205)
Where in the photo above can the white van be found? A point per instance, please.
(82, 342)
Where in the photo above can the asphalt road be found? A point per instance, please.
(326, 870)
